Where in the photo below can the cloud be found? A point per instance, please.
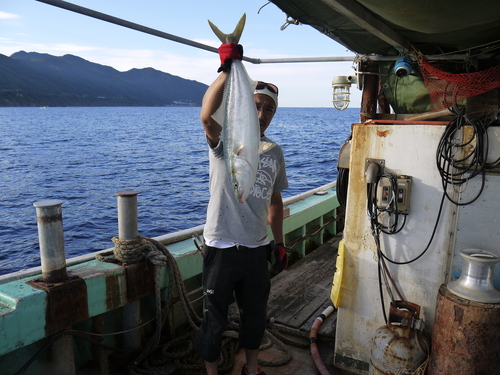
(8, 16)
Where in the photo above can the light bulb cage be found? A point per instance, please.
(341, 95)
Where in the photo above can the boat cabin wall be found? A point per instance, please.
(408, 150)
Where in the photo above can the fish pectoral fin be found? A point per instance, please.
(235, 36)
(237, 149)
(265, 146)
(242, 164)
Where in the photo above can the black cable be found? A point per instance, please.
(375, 227)
(381, 290)
(371, 198)
(381, 256)
(392, 210)
(457, 162)
(457, 170)
(428, 244)
(342, 185)
(343, 179)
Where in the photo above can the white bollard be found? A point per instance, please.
(51, 239)
(128, 230)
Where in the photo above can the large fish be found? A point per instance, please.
(239, 120)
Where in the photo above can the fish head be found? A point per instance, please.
(242, 178)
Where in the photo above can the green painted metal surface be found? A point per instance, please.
(23, 307)
(22, 315)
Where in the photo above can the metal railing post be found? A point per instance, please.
(127, 215)
(128, 230)
(51, 239)
(53, 259)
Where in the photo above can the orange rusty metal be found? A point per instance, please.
(370, 90)
(140, 280)
(67, 302)
(466, 336)
(397, 346)
(381, 133)
(113, 292)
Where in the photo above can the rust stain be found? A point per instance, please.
(50, 218)
(55, 276)
(465, 336)
(140, 279)
(357, 185)
(359, 138)
(113, 294)
(381, 133)
(67, 302)
(459, 313)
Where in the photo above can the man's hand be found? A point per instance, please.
(227, 53)
(280, 258)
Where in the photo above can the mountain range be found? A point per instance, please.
(34, 79)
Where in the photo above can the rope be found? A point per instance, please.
(178, 354)
(147, 249)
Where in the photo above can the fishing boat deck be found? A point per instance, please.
(298, 296)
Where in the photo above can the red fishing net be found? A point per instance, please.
(446, 89)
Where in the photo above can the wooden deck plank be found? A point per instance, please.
(323, 300)
(290, 285)
(288, 290)
(314, 297)
(299, 292)
(308, 281)
(298, 296)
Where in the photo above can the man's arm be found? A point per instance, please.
(275, 217)
(211, 102)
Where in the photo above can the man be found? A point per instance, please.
(237, 247)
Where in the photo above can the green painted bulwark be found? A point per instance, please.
(307, 214)
(23, 308)
(22, 315)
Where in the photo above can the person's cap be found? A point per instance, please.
(268, 89)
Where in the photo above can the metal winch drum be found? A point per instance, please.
(399, 345)
(466, 334)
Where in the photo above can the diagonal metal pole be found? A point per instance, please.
(148, 30)
(121, 22)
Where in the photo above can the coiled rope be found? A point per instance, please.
(148, 249)
(178, 353)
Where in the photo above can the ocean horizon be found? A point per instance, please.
(84, 155)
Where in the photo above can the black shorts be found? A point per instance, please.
(241, 272)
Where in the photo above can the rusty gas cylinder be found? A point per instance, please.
(398, 346)
(466, 336)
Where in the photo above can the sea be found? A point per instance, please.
(84, 155)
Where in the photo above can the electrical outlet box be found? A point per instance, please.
(403, 194)
(390, 196)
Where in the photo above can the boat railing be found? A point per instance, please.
(165, 239)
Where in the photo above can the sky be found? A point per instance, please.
(32, 26)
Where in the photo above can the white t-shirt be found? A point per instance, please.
(230, 222)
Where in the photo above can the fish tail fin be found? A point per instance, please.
(235, 36)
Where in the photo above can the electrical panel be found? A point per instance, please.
(393, 194)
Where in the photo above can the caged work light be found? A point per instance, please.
(341, 91)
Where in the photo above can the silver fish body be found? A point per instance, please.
(240, 123)
(241, 131)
